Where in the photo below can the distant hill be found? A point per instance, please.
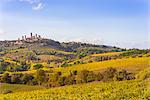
(68, 47)
(54, 53)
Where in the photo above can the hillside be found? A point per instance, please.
(54, 53)
(38, 68)
(128, 90)
(38, 41)
(4, 88)
(130, 64)
(76, 50)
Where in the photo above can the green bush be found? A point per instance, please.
(109, 73)
(121, 75)
(86, 76)
(99, 76)
(16, 78)
(70, 80)
(6, 78)
(38, 66)
(40, 76)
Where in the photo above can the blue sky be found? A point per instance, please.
(122, 23)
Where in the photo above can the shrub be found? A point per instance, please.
(91, 76)
(61, 81)
(86, 76)
(130, 76)
(53, 80)
(26, 78)
(38, 66)
(59, 73)
(40, 76)
(70, 80)
(99, 77)
(74, 72)
(16, 78)
(83, 75)
(6, 78)
(121, 75)
(109, 74)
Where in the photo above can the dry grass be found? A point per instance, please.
(107, 54)
(131, 64)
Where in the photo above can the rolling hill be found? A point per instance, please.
(30, 67)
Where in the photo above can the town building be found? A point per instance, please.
(31, 38)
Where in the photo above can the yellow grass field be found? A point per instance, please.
(18, 88)
(107, 54)
(48, 57)
(131, 64)
(124, 90)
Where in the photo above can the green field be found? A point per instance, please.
(124, 90)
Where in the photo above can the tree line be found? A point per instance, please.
(55, 79)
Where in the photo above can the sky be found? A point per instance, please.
(123, 23)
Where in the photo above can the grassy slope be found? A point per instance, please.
(144, 74)
(128, 90)
(22, 53)
(48, 57)
(93, 56)
(131, 64)
(107, 54)
(18, 88)
(97, 91)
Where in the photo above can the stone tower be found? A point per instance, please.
(31, 35)
(22, 37)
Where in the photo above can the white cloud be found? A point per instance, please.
(36, 4)
(38, 7)
(31, 1)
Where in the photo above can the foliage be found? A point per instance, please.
(16, 78)
(6, 78)
(109, 74)
(123, 75)
(40, 76)
(99, 76)
(38, 66)
(135, 52)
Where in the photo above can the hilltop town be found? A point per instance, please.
(32, 38)
(25, 39)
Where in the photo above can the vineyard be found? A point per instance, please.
(132, 64)
(17, 88)
(49, 70)
(102, 51)
(108, 54)
(128, 90)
